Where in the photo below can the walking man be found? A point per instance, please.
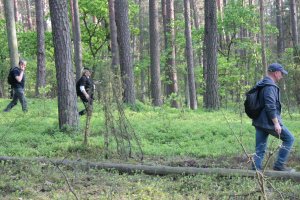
(269, 121)
(85, 90)
(18, 84)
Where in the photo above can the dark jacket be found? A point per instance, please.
(270, 98)
(88, 86)
(15, 84)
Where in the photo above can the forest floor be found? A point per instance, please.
(168, 137)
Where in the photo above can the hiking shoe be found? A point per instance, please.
(284, 169)
(5, 110)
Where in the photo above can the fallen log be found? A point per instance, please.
(158, 170)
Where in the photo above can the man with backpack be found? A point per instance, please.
(16, 78)
(269, 120)
(85, 90)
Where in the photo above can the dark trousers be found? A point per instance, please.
(18, 94)
(88, 105)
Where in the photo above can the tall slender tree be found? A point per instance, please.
(29, 21)
(113, 37)
(122, 22)
(141, 54)
(67, 99)
(262, 36)
(279, 24)
(154, 53)
(171, 71)
(77, 39)
(41, 52)
(294, 23)
(16, 10)
(189, 56)
(11, 33)
(211, 98)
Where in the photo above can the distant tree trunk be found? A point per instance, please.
(67, 99)
(41, 52)
(46, 28)
(171, 71)
(29, 21)
(16, 11)
(262, 36)
(154, 53)
(189, 56)
(122, 22)
(280, 39)
(11, 33)
(294, 23)
(77, 39)
(141, 55)
(211, 99)
(113, 37)
(197, 26)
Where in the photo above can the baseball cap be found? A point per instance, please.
(276, 67)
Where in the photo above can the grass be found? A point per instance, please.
(168, 136)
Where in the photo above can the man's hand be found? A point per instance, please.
(278, 128)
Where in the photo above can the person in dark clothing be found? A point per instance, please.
(85, 90)
(269, 121)
(18, 84)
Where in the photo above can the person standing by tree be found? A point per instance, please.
(269, 121)
(85, 90)
(18, 83)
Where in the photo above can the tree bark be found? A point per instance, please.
(262, 36)
(16, 11)
(113, 37)
(29, 21)
(294, 23)
(77, 39)
(189, 56)
(41, 52)
(67, 99)
(122, 22)
(154, 53)
(11, 33)
(280, 39)
(141, 54)
(211, 99)
(171, 71)
(158, 170)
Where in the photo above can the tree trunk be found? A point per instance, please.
(122, 22)
(197, 26)
(77, 39)
(157, 170)
(11, 33)
(171, 71)
(154, 53)
(280, 39)
(189, 56)
(16, 11)
(262, 36)
(113, 37)
(294, 23)
(41, 52)
(67, 99)
(141, 54)
(211, 99)
(29, 21)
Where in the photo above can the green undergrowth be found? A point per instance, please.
(174, 137)
(163, 132)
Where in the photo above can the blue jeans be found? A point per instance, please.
(261, 145)
(18, 94)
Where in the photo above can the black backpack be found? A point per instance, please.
(10, 77)
(252, 105)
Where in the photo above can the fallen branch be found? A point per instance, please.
(159, 170)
